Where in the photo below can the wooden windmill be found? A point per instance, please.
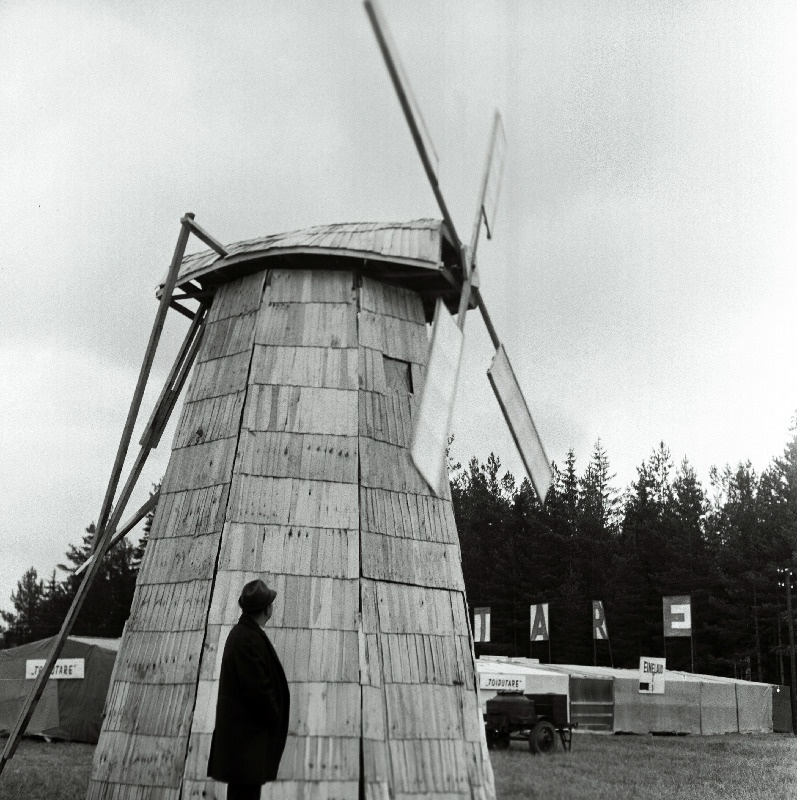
(313, 394)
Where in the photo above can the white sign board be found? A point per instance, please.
(652, 672)
(481, 624)
(502, 682)
(64, 669)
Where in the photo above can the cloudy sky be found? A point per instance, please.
(642, 275)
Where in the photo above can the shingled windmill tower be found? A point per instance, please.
(291, 462)
(311, 451)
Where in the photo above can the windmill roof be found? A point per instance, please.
(415, 254)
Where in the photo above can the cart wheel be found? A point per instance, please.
(542, 738)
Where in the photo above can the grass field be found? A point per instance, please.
(729, 767)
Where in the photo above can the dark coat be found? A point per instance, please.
(252, 709)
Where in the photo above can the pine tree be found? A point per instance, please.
(27, 622)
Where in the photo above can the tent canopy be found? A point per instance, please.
(70, 708)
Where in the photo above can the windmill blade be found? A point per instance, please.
(420, 134)
(491, 183)
(521, 425)
(436, 406)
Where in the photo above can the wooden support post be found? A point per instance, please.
(143, 376)
(202, 234)
(176, 380)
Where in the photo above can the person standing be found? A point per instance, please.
(253, 704)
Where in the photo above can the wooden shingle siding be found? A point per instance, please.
(302, 409)
(315, 456)
(307, 325)
(390, 301)
(391, 558)
(305, 366)
(209, 420)
(238, 297)
(189, 513)
(410, 516)
(292, 550)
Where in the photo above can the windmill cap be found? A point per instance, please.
(256, 597)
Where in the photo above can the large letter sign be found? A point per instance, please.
(678, 615)
(599, 628)
(539, 623)
(481, 624)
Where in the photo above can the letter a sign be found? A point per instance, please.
(481, 624)
(599, 627)
(677, 615)
(539, 623)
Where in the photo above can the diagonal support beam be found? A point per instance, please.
(143, 376)
(124, 530)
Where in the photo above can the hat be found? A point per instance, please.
(256, 597)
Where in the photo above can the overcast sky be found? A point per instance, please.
(642, 274)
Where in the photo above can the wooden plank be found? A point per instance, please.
(152, 710)
(408, 714)
(160, 657)
(200, 466)
(219, 377)
(316, 758)
(394, 301)
(209, 420)
(411, 516)
(311, 286)
(180, 558)
(169, 606)
(238, 297)
(191, 513)
(391, 558)
(325, 709)
(386, 417)
(317, 654)
(396, 338)
(416, 659)
(431, 767)
(413, 609)
(138, 759)
(387, 466)
(305, 366)
(372, 370)
(291, 550)
(332, 325)
(292, 501)
(316, 457)
(227, 337)
(301, 409)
